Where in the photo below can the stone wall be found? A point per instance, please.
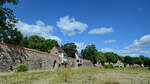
(72, 62)
(11, 56)
(87, 63)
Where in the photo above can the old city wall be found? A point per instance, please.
(72, 62)
(11, 56)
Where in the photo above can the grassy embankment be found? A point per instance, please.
(85, 75)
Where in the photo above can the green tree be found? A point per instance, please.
(15, 37)
(128, 60)
(111, 57)
(2, 2)
(70, 49)
(101, 58)
(90, 53)
(36, 42)
(121, 58)
(49, 44)
(39, 43)
(25, 42)
(145, 60)
(137, 60)
(8, 33)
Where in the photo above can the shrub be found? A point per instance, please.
(135, 67)
(116, 66)
(108, 66)
(22, 68)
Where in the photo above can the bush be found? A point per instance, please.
(117, 67)
(108, 66)
(22, 68)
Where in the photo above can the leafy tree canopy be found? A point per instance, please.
(70, 49)
(145, 60)
(101, 58)
(111, 57)
(8, 33)
(137, 60)
(2, 2)
(39, 43)
(90, 53)
(128, 60)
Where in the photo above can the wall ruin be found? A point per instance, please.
(11, 56)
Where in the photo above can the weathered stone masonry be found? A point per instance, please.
(11, 56)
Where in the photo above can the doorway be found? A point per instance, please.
(54, 64)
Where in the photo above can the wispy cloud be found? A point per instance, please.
(102, 30)
(109, 41)
(69, 26)
(39, 28)
(143, 41)
(140, 9)
(134, 49)
(80, 46)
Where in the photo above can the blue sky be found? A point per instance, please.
(120, 26)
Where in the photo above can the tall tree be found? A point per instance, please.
(128, 60)
(101, 58)
(25, 42)
(111, 57)
(49, 44)
(36, 42)
(145, 60)
(8, 33)
(15, 37)
(90, 53)
(70, 49)
(137, 60)
(39, 43)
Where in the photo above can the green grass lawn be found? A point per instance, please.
(85, 75)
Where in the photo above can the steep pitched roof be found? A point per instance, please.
(56, 50)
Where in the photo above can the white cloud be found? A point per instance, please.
(39, 28)
(102, 30)
(69, 26)
(109, 41)
(143, 41)
(80, 46)
(107, 50)
(135, 49)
